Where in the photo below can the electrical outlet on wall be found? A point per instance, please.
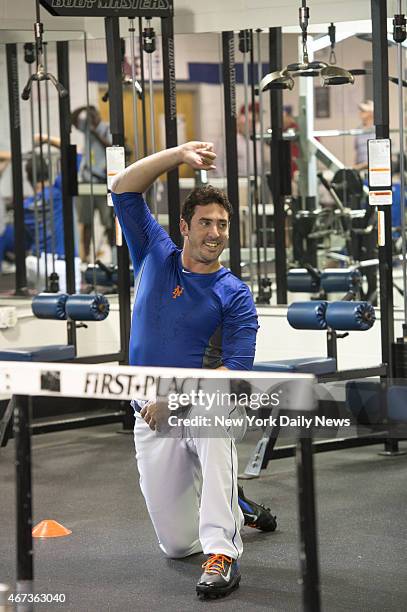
(8, 317)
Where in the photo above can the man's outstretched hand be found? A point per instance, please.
(156, 414)
(198, 155)
(138, 177)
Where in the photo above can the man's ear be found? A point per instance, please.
(183, 227)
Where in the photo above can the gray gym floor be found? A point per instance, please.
(87, 480)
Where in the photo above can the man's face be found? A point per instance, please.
(366, 117)
(208, 234)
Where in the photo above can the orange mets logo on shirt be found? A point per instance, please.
(177, 292)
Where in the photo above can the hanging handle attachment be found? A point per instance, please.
(332, 38)
(40, 74)
(304, 18)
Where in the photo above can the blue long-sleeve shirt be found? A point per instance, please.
(182, 318)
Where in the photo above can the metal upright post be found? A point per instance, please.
(69, 177)
(15, 146)
(307, 161)
(255, 187)
(22, 438)
(262, 172)
(308, 525)
(381, 119)
(229, 84)
(171, 138)
(244, 48)
(114, 73)
(276, 102)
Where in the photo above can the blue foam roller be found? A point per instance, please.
(340, 280)
(301, 280)
(101, 277)
(104, 279)
(80, 307)
(50, 306)
(307, 315)
(350, 316)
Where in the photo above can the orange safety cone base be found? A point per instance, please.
(50, 529)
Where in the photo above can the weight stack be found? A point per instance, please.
(399, 350)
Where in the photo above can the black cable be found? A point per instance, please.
(42, 169)
(49, 161)
(38, 53)
(89, 150)
(30, 58)
(143, 98)
(132, 31)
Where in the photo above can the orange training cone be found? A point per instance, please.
(50, 529)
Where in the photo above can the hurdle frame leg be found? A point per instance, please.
(391, 448)
(391, 445)
(308, 524)
(22, 437)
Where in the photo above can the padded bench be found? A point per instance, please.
(52, 352)
(305, 365)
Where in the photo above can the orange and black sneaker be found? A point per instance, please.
(256, 515)
(221, 576)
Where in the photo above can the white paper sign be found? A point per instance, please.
(379, 162)
(115, 163)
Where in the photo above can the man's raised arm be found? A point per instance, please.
(139, 176)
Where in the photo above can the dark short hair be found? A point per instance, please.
(203, 196)
(41, 168)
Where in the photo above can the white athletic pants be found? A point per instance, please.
(190, 488)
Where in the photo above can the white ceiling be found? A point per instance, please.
(197, 16)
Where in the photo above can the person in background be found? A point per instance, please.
(396, 206)
(366, 115)
(38, 241)
(92, 168)
(241, 144)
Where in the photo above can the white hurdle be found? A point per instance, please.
(23, 380)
